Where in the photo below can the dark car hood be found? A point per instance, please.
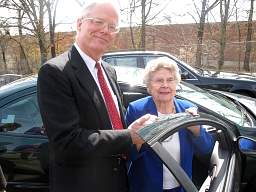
(225, 75)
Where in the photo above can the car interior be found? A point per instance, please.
(22, 117)
(3, 182)
(213, 169)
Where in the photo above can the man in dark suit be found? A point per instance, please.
(86, 152)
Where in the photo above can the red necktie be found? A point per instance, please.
(111, 107)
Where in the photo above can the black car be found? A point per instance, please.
(24, 145)
(231, 82)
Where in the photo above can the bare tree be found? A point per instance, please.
(131, 13)
(248, 47)
(148, 10)
(51, 6)
(33, 21)
(23, 61)
(224, 15)
(239, 37)
(3, 47)
(22, 64)
(206, 7)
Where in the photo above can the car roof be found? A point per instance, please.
(137, 53)
(18, 85)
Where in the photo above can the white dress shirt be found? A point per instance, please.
(91, 64)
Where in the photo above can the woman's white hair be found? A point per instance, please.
(161, 63)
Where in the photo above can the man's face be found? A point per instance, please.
(95, 30)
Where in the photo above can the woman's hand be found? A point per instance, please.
(194, 129)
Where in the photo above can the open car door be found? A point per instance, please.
(223, 164)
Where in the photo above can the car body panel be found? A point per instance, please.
(24, 149)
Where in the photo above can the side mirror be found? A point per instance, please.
(184, 75)
(247, 145)
(3, 182)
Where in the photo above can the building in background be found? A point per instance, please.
(178, 40)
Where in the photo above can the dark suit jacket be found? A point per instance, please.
(84, 150)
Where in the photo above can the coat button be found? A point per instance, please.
(115, 169)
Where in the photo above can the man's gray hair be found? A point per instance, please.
(88, 7)
(161, 63)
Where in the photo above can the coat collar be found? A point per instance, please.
(87, 82)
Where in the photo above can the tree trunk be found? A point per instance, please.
(224, 19)
(43, 50)
(4, 61)
(200, 34)
(239, 40)
(143, 25)
(132, 7)
(23, 62)
(52, 26)
(41, 33)
(248, 45)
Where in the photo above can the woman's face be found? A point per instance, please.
(162, 85)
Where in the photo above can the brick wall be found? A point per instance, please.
(178, 39)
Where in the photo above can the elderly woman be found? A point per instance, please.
(146, 172)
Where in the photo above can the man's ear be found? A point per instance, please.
(78, 24)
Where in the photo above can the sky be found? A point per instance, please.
(68, 10)
(179, 10)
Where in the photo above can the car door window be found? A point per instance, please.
(213, 160)
(127, 61)
(22, 116)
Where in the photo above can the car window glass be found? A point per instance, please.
(220, 105)
(110, 60)
(208, 155)
(148, 58)
(127, 61)
(22, 116)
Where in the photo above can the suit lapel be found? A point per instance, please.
(87, 82)
(114, 87)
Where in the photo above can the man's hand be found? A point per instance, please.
(136, 125)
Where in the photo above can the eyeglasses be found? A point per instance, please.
(100, 23)
(160, 81)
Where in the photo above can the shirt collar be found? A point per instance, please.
(87, 59)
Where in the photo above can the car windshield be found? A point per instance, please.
(221, 105)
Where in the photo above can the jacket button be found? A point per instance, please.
(115, 169)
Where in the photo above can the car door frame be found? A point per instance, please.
(229, 175)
